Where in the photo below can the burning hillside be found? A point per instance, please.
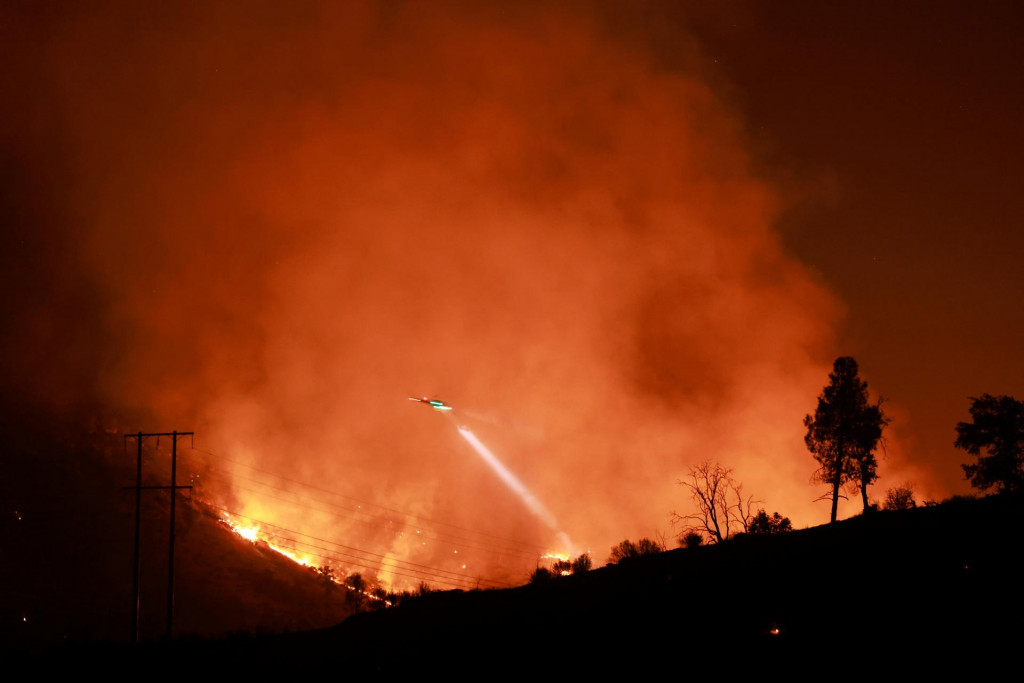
(285, 219)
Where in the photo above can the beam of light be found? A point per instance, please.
(532, 503)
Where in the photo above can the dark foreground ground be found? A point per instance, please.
(932, 589)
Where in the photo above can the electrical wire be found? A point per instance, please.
(389, 524)
(435, 573)
(528, 546)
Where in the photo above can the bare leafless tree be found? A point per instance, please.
(721, 507)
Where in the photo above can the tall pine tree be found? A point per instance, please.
(997, 427)
(844, 431)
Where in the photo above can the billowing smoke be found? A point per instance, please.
(293, 216)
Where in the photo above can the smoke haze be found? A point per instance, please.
(272, 223)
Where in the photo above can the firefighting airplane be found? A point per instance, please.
(432, 402)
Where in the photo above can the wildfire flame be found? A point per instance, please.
(560, 555)
(253, 534)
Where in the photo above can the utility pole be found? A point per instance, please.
(138, 525)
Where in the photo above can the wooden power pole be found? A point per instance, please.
(138, 525)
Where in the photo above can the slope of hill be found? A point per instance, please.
(66, 557)
(925, 588)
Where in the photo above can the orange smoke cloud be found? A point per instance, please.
(299, 215)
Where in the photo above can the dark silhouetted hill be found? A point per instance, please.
(934, 588)
(929, 588)
(66, 554)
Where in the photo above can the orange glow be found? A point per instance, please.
(564, 557)
(249, 533)
(540, 222)
(253, 534)
(294, 557)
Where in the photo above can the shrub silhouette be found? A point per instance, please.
(763, 524)
(541, 574)
(581, 564)
(899, 498)
(691, 539)
(627, 549)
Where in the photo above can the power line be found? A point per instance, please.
(434, 572)
(526, 545)
(339, 556)
(532, 548)
(460, 542)
(347, 547)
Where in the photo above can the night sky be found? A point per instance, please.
(620, 238)
(895, 130)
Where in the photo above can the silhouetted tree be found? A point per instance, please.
(721, 506)
(628, 549)
(397, 598)
(997, 425)
(355, 596)
(577, 566)
(763, 524)
(561, 568)
(899, 498)
(541, 574)
(865, 468)
(581, 564)
(646, 546)
(355, 581)
(380, 598)
(326, 572)
(844, 431)
(567, 567)
(691, 539)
